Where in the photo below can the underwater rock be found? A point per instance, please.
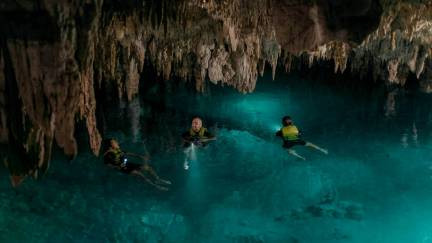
(157, 217)
(248, 239)
(347, 210)
(57, 57)
(170, 227)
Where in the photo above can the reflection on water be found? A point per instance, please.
(390, 106)
(134, 112)
(374, 186)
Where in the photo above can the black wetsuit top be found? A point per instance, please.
(118, 159)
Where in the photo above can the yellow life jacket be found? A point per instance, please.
(116, 156)
(199, 134)
(290, 133)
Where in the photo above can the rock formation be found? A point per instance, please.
(58, 56)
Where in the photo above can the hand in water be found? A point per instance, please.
(197, 142)
(186, 165)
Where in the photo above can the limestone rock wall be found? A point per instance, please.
(400, 46)
(56, 55)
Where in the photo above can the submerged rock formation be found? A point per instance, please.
(57, 57)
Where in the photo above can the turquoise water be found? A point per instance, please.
(375, 185)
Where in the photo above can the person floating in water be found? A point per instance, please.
(291, 137)
(196, 136)
(116, 158)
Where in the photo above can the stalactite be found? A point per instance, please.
(401, 41)
(78, 46)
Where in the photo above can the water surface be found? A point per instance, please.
(374, 186)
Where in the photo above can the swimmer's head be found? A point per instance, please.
(286, 121)
(114, 144)
(110, 143)
(196, 124)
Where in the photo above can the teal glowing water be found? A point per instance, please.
(374, 186)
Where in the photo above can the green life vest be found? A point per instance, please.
(199, 134)
(290, 133)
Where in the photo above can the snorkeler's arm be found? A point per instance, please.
(207, 139)
(208, 136)
(278, 133)
(144, 157)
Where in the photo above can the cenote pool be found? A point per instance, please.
(375, 185)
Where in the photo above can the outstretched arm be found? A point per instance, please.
(278, 133)
(146, 157)
(208, 137)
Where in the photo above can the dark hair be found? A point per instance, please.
(285, 120)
